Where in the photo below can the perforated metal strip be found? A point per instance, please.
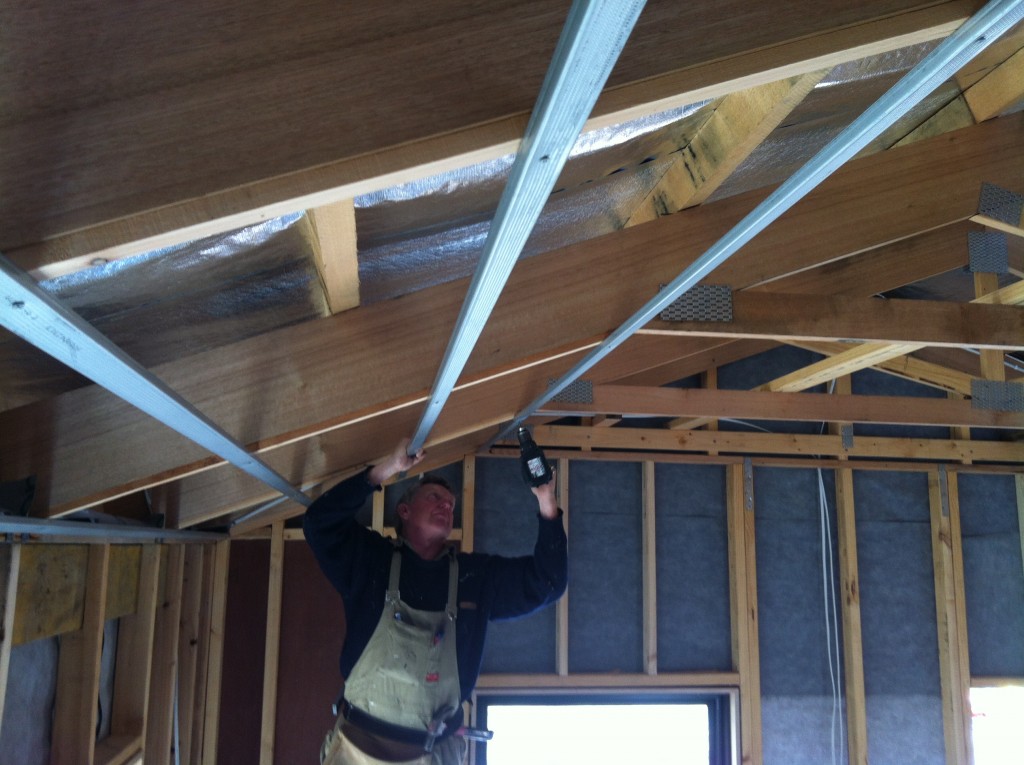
(989, 252)
(576, 392)
(994, 394)
(1001, 204)
(705, 302)
(846, 433)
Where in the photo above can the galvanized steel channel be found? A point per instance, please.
(592, 38)
(33, 315)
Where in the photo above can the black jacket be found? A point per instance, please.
(357, 560)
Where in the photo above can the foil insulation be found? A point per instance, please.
(841, 96)
(432, 231)
(170, 303)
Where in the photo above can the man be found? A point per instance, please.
(417, 613)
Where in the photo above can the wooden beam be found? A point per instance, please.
(189, 684)
(73, 740)
(375, 89)
(784, 317)
(850, 361)
(332, 232)
(123, 580)
(119, 750)
(10, 562)
(779, 444)
(743, 599)
(884, 267)
(650, 571)
(909, 367)
(870, 354)
(468, 502)
(853, 647)
(562, 608)
(636, 401)
(999, 91)
(51, 591)
(615, 681)
(272, 645)
(134, 662)
(214, 651)
(993, 362)
(201, 695)
(955, 115)
(736, 126)
(160, 719)
(951, 615)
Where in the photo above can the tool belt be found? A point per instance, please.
(423, 740)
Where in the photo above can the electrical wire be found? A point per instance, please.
(831, 627)
(828, 585)
(837, 729)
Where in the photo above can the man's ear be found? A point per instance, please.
(403, 510)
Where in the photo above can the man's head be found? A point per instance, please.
(426, 510)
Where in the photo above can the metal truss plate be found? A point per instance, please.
(704, 302)
(989, 252)
(994, 394)
(576, 392)
(1001, 204)
(846, 433)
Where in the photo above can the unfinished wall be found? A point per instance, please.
(110, 653)
(800, 642)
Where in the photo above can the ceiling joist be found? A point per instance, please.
(784, 317)
(634, 401)
(782, 444)
(873, 353)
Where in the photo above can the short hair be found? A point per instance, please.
(426, 480)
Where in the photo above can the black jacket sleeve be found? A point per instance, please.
(341, 545)
(523, 585)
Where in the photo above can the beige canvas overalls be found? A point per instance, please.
(408, 675)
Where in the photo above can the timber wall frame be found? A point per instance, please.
(169, 603)
(744, 678)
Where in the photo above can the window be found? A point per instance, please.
(996, 724)
(669, 728)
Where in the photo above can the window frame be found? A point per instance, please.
(722, 705)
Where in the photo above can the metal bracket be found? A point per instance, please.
(703, 302)
(576, 392)
(1001, 204)
(998, 395)
(846, 433)
(988, 252)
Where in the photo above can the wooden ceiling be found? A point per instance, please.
(162, 124)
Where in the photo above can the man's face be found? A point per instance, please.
(431, 511)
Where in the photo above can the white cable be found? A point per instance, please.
(829, 594)
(831, 627)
